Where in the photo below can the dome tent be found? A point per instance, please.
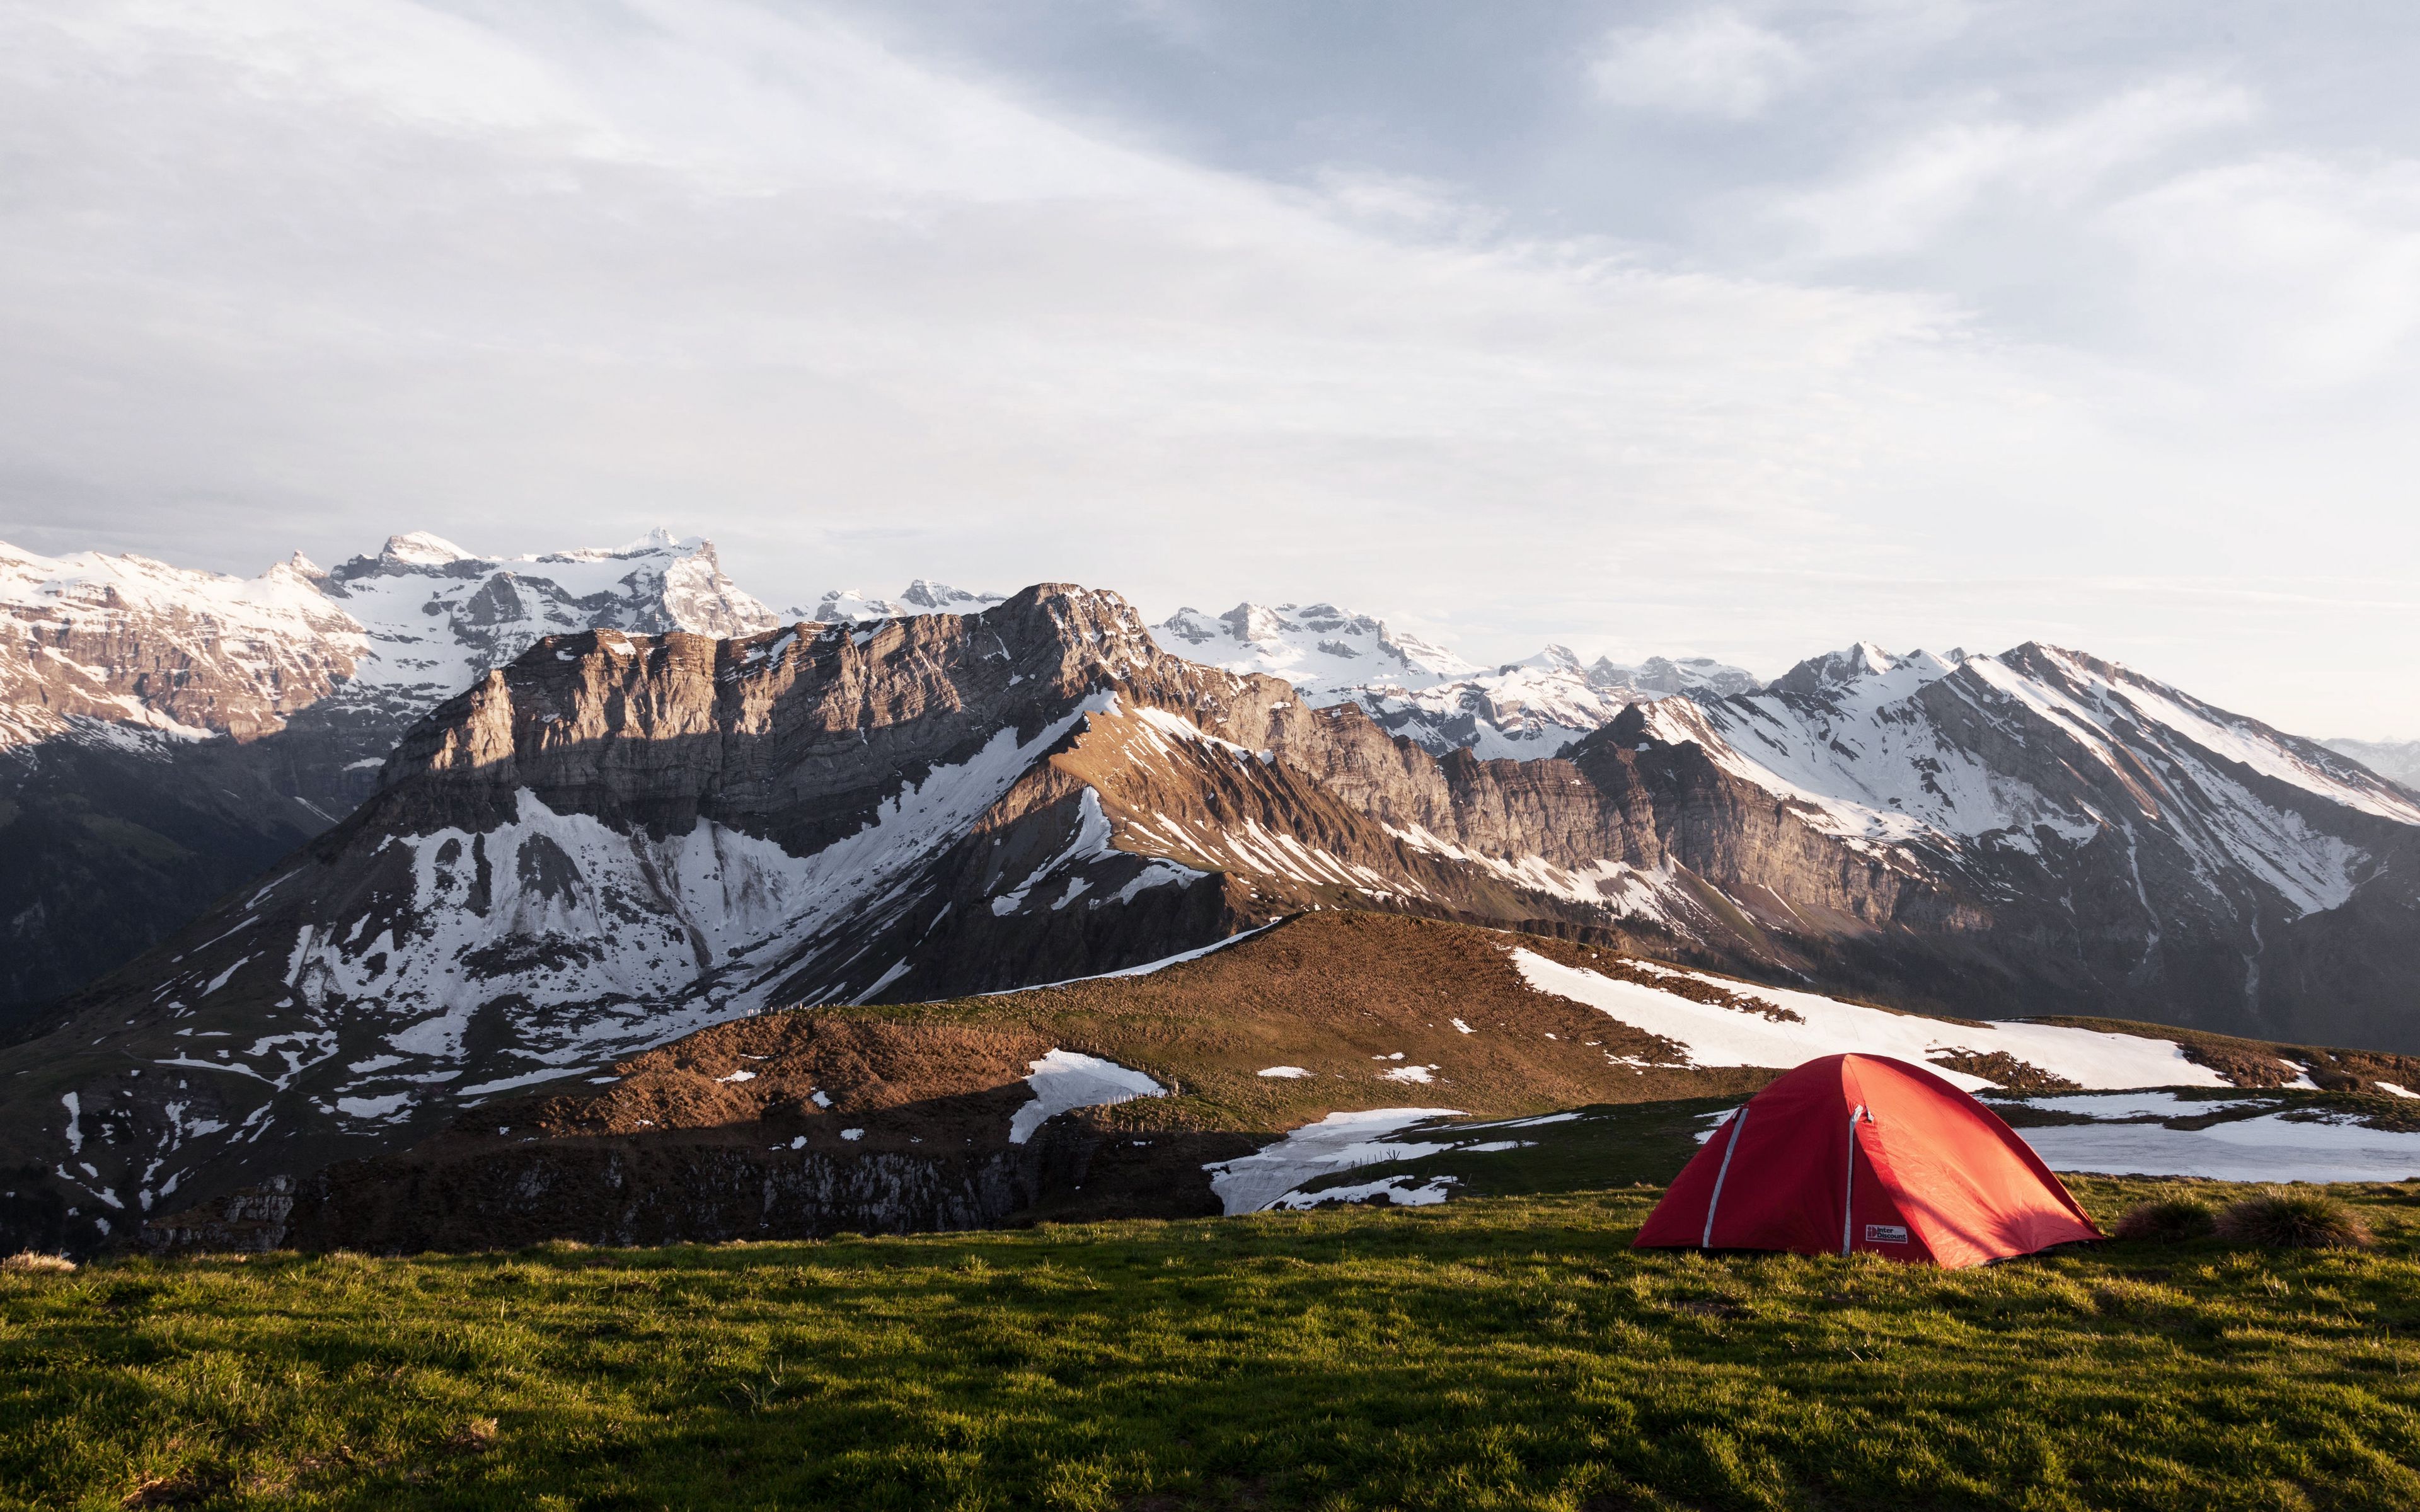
(1864, 1152)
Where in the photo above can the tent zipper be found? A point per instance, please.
(1848, 1187)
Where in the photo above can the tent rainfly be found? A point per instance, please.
(1864, 1152)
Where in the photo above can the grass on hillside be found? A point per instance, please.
(1493, 1353)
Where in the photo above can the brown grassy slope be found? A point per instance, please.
(1340, 995)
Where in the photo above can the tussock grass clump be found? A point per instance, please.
(2293, 1220)
(33, 1262)
(2166, 1221)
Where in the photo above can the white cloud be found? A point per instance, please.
(1704, 63)
(1984, 162)
(2292, 270)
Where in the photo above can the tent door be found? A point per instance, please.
(1739, 1122)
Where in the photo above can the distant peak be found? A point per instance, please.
(420, 548)
(1251, 622)
(1863, 662)
(922, 596)
(658, 539)
(940, 598)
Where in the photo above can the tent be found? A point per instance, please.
(1864, 1152)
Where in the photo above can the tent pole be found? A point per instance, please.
(1739, 1121)
(1849, 1187)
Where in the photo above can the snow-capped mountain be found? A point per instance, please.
(1533, 707)
(132, 641)
(2398, 760)
(1328, 653)
(166, 733)
(2109, 838)
(126, 641)
(432, 616)
(1883, 750)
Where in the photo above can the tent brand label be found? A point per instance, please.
(1885, 1233)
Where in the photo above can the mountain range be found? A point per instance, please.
(522, 819)
(1533, 707)
(166, 733)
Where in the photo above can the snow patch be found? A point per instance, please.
(1065, 1080)
(1338, 1142)
(1395, 1188)
(505, 1084)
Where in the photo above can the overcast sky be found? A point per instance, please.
(1747, 331)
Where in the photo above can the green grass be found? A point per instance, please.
(1492, 1353)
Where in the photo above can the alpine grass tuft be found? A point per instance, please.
(2287, 1219)
(33, 1262)
(2166, 1221)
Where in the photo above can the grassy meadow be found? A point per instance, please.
(1494, 1353)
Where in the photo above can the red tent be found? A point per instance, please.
(1864, 1152)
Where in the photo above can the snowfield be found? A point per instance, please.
(2253, 1141)
(2271, 1147)
(1717, 1036)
